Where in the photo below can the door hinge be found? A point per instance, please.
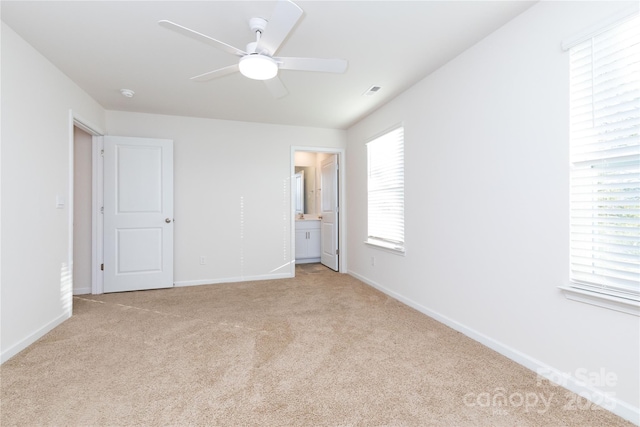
(101, 209)
(337, 251)
(102, 153)
(101, 267)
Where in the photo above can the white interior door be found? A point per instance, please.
(138, 213)
(329, 209)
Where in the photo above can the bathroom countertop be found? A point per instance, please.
(315, 218)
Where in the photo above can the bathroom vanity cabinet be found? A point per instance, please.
(308, 248)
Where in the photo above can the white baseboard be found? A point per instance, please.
(232, 279)
(82, 291)
(33, 337)
(618, 407)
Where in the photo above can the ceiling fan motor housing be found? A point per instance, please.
(257, 24)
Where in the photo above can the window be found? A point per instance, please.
(385, 195)
(605, 160)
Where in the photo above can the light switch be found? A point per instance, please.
(59, 202)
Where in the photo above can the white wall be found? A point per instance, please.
(36, 136)
(232, 192)
(487, 209)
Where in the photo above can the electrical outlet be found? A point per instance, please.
(203, 260)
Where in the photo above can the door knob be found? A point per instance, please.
(167, 220)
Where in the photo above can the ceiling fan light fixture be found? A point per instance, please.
(258, 67)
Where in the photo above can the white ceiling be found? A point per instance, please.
(110, 45)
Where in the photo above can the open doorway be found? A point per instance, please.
(317, 201)
(82, 211)
(84, 216)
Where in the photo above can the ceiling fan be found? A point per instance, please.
(257, 61)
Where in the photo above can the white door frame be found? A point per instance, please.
(342, 228)
(96, 194)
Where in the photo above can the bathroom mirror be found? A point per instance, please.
(308, 202)
(298, 189)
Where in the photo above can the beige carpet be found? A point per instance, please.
(322, 349)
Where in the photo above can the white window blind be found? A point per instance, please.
(386, 190)
(605, 157)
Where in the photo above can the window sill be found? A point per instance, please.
(389, 247)
(610, 302)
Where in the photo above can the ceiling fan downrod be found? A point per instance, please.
(257, 25)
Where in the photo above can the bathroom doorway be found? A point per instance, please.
(318, 208)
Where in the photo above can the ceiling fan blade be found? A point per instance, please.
(313, 64)
(215, 73)
(276, 87)
(201, 37)
(284, 17)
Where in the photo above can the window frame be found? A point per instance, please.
(596, 292)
